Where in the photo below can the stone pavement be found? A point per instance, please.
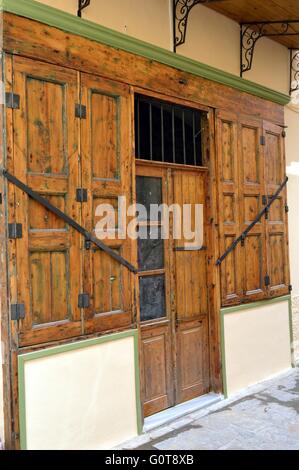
(264, 417)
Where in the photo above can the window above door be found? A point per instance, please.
(168, 133)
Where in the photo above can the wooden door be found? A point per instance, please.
(251, 186)
(157, 371)
(174, 320)
(190, 284)
(43, 153)
(106, 162)
(229, 206)
(276, 223)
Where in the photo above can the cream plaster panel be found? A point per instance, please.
(257, 345)
(84, 399)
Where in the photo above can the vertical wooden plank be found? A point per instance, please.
(277, 222)
(227, 170)
(41, 287)
(106, 137)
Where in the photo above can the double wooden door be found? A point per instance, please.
(174, 319)
(70, 132)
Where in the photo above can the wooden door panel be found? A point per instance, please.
(229, 208)
(193, 363)
(277, 222)
(107, 170)
(157, 382)
(45, 145)
(251, 183)
(191, 315)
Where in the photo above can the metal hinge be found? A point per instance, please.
(15, 231)
(290, 288)
(12, 101)
(283, 134)
(17, 312)
(264, 200)
(0, 198)
(83, 301)
(263, 140)
(267, 280)
(287, 209)
(80, 111)
(81, 195)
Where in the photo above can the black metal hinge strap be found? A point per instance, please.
(80, 111)
(17, 312)
(81, 195)
(12, 101)
(83, 301)
(263, 212)
(267, 280)
(15, 231)
(68, 220)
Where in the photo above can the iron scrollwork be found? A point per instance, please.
(252, 32)
(82, 5)
(181, 11)
(294, 61)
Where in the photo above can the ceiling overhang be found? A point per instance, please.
(275, 19)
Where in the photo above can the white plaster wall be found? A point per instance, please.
(142, 19)
(257, 345)
(82, 400)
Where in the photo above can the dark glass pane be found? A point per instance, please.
(149, 191)
(179, 141)
(168, 134)
(151, 249)
(144, 131)
(157, 132)
(152, 298)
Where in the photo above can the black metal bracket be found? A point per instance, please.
(294, 70)
(252, 32)
(82, 4)
(181, 11)
(80, 111)
(265, 211)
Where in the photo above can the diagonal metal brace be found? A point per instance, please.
(243, 235)
(71, 222)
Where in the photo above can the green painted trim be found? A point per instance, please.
(22, 359)
(223, 355)
(291, 332)
(72, 24)
(262, 303)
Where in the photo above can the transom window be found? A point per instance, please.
(167, 132)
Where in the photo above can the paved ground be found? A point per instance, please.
(264, 417)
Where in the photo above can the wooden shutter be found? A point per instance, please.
(277, 224)
(229, 227)
(47, 268)
(107, 169)
(251, 184)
